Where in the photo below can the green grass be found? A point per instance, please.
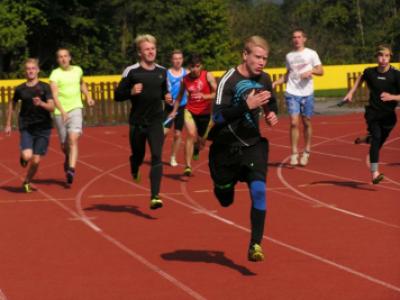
(338, 93)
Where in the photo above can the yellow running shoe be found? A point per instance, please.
(187, 171)
(27, 187)
(156, 202)
(255, 253)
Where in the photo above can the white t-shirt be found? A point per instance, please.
(298, 62)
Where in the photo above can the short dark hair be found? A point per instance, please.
(63, 49)
(176, 51)
(299, 29)
(195, 59)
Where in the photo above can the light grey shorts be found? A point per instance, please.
(73, 125)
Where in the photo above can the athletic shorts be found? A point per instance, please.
(37, 140)
(74, 124)
(178, 120)
(229, 164)
(303, 105)
(201, 121)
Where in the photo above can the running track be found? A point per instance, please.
(330, 234)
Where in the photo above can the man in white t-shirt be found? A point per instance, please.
(302, 64)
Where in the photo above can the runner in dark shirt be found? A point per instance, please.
(145, 85)
(238, 152)
(34, 121)
(383, 83)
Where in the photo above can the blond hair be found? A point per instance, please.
(255, 41)
(144, 38)
(31, 60)
(381, 49)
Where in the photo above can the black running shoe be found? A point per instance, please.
(70, 174)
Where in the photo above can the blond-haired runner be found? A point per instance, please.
(145, 85)
(67, 85)
(35, 121)
(238, 151)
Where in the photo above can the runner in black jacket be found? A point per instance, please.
(383, 83)
(238, 152)
(145, 85)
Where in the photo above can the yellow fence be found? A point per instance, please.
(335, 76)
(107, 111)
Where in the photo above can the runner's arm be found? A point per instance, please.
(178, 99)
(350, 93)
(86, 93)
(10, 112)
(283, 79)
(213, 85)
(318, 70)
(123, 91)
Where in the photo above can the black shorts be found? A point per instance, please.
(201, 122)
(178, 120)
(228, 164)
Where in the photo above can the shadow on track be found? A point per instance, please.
(206, 256)
(134, 210)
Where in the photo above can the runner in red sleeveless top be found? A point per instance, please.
(200, 86)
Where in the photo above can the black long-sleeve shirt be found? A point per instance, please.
(147, 107)
(378, 83)
(235, 123)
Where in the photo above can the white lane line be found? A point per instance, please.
(121, 246)
(33, 200)
(101, 196)
(275, 241)
(54, 200)
(386, 177)
(318, 203)
(323, 204)
(154, 268)
(367, 184)
(87, 220)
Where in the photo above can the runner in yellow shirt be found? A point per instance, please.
(67, 84)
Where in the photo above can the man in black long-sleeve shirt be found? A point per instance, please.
(145, 85)
(238, 152)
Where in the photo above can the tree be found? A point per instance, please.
(16, 19)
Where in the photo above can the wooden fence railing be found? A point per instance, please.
(362, 94)
(108, 112)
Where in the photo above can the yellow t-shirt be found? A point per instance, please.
(69, 87)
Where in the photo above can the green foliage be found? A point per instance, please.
(16, 19)
(101, 33)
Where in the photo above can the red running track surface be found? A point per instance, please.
(330, 234)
